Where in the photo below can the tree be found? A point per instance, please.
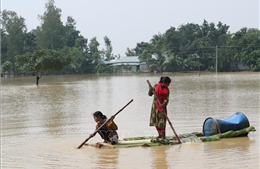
(71, 34)
(50, 35)
(253, 60)
(157, 50)
(250, 52)
(173, 40)
(174, 63)
(4, 46)
(13, 33)
(108, 55)
(245, 45)
(130, 52)
(42, 60)
(138, 50)
(30, 42)
(77, 59)
(7, 67)
(94, 53)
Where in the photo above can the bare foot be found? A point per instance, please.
(159, 137)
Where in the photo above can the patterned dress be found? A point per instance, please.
(108, 132)
(158, 118)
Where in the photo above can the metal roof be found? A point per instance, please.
(127, 60)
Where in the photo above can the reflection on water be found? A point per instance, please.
(41, 126)
(107, 158)
(231, 149)
(159, 157)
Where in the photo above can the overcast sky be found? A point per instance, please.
(128, 22)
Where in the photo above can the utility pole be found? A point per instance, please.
(216, 59)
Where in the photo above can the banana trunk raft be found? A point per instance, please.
(171, 140)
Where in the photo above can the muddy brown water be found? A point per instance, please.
(41, 126)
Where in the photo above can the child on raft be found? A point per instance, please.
(108, 131)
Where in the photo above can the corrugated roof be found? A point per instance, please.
(124, 63)
(125, 60)
(128, 59)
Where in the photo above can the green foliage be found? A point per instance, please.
(4, 46)
(174, 63)
(70, 32)
(138, 50)
(94, 53)
(30, 42)
(130, 52)
(253, 60)
(13, 33)
(127, 67)
(155, 54)
(42, 61)
(195, 47)
(53, 46)
(109, 49)
(77, 58)
(147, 57)
(51, 32)
(246, 46)
(6, 66)
(104, 69)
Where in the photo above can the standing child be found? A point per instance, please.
(161, 94)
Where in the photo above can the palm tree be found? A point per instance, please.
(158, 53)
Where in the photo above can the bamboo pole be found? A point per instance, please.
(103, 125)
(148, 82)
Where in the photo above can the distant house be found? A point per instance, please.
(128, 64)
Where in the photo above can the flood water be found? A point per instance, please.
(42, 126)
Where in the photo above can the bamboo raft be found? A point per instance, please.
(197, 137)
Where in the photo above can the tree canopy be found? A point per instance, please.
(42, 60)
(56, 46)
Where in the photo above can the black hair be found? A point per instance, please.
(165, 79)
(100, 114)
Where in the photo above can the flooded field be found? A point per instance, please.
(42, 126)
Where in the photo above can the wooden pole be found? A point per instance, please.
(148, 82)
(216, 59)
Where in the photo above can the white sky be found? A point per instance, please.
(128, 22)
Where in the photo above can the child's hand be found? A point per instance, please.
(112, 118)
(109, 123)
(163, 106)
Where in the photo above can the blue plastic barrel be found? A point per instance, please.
(234, 122)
